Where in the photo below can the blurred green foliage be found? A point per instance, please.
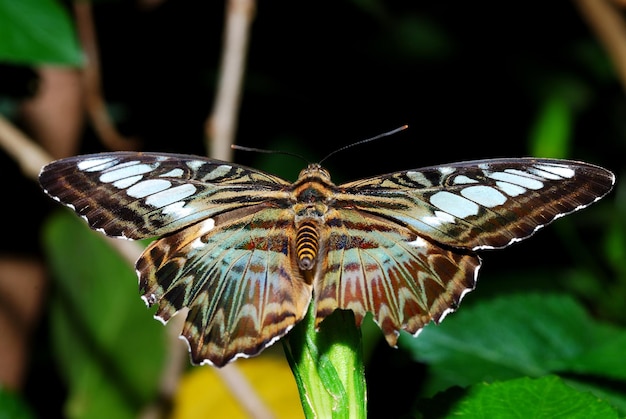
(12, 406)
(37, 32)
(545, 397)
(109, 351)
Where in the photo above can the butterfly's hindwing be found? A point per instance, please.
(372, 265)
(239, 278)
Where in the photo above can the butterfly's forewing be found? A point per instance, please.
(401, 245)
(480, 204)
(142, 195)
(238, 276)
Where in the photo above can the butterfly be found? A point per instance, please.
(247, 252)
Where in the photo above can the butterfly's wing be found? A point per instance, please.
(481, 204)
(142, 195)
(374, 265)
(224, 251)
(402, 245)
(237, 274)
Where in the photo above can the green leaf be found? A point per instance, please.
(109, 348)
(546, 397)
(12, 406)
(517, 335)
(37, 32)
(552, 131)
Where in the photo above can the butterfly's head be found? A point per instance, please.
(314, 170)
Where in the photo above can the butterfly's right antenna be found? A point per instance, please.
(367, 140)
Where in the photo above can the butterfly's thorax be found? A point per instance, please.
(313, 193)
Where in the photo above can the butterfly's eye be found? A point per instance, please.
(324, 173)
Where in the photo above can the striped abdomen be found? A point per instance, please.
(307, 244)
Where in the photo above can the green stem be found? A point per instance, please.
(328, 366)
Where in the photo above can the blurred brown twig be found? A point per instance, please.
(607, 21)
(220, 127)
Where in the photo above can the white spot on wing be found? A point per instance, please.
(439, 218)
(171, 195)
(561, 171)
(510, 189)
(418, 177)
(418, 242)
(463, 180)
(516, 179)
(445, 170)
(123, 171)
(149, 187)
(177, 210)
(543, 174)
(173, 173)
(129, 181)
(96, 164)
(206, 226)
(454, 204)
(195, 164)
(219, 171)
(484, 195)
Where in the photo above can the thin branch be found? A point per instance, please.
(94, 100)
(608, 24)
(243, 391)
(28, 155)
(220, 127)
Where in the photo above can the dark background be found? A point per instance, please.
(469, 79)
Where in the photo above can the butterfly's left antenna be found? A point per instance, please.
(367, 140)
(261, 150)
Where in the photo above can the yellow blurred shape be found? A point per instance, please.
(203, 394)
